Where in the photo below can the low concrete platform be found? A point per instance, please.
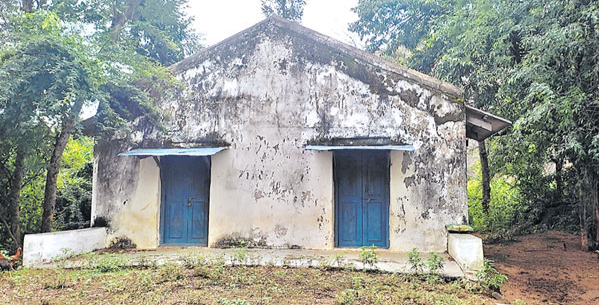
(45, 247)
(349, 258)
(467, 250)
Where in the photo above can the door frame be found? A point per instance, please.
(162, 221)
(336, 199)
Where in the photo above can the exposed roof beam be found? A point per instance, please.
(479, 123)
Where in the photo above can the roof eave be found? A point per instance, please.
(481, 124)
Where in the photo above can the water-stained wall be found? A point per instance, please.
(265, 93)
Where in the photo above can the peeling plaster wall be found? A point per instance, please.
(126, 196)
(267, 198)
(269, 91)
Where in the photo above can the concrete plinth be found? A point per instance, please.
(389, 261)
(466, 250)
(39, 248)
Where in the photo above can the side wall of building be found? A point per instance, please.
(126, 196)
(268, 96)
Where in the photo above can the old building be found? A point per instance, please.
(283, 137)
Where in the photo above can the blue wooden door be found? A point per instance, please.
(185, 189)
(361, 198)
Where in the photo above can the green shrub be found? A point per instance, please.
(489, 279)
(415, 261)
(435, 264)
(368, 257)
(358, 282)
(502, 220)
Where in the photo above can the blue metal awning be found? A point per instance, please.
(365, 147)
(203, 151)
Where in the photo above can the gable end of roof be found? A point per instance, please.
(359, 56)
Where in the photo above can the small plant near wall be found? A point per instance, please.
(435, 263)
(368, 257)
(193, 261)
(489, 279)
(415, 261)
(435, 267)
(239, 256)
(339, 259)
(335, 261)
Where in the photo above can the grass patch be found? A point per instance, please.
(197, 280)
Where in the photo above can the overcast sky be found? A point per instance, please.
(219, 19)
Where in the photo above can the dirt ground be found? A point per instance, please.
(547, 268)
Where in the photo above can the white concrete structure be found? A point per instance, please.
(466, 250)
(262, 121)
(40, 248)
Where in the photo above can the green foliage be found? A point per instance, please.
(194, 261)
(435, 266)
(533, 62)
(288, 9)
(239, 256)
(248, 285)
(73, 202)
(388, 24)
(109, 263)
(66, 55)
(489, 278)
(47, 75)
(58, 280)
(358, 282)
(435, 263)
(368, 257)
(347, 297)
(338, 260)
(504, 214)
(170, 272)
(415, 261)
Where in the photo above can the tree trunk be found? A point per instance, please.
(49, 203)
(14, 194)
(559, 184)
(27, 6)
(486, 181)
(119, 18)
(588, 205)
(584, 241)
(596, 205)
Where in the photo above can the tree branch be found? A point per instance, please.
(10, 232)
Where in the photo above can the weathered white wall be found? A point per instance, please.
(127, 197)
(412, 222)
(41, 248)
(139, 218)
(284, 198)
(267, 93)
